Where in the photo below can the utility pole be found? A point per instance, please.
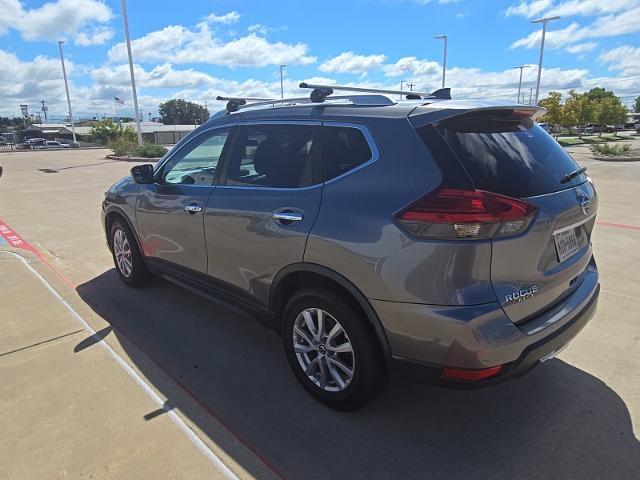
(44, 110)
(281, 82)
(521, 67)
(444, 60)
(66, 87)
(410, 85)
(544, 22)
(133, 78)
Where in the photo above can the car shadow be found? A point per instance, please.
(556, 422)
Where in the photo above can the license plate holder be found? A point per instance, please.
(566, 244)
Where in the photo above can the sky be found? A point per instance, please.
(199, 49)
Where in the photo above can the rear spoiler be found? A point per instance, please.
(436, 112)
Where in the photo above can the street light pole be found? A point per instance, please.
(444, 61)
(544, 22)
(66, 88)
(281, 82)
(133, 78)
(521, 67)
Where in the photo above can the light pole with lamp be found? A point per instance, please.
(281, 82)
(444, 61)
(521, 67)
(544, 22)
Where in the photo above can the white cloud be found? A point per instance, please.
(607, 26)
(529, 9)
(53, 20)
(349, 62)
(412, 66)
(160, 76)
(183, 45)
(227, 18)
(97, 36)
(625, 58)
(569, 8)
(581, 47)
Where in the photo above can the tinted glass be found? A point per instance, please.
(197, 165)
(343, 149)
(508, 155)
(279, 156)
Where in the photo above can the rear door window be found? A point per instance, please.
(278, 156)
(506, 154)
(343, 149)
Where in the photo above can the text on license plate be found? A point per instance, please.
(566, 244)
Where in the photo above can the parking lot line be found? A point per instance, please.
(175, 418)
(618, 225)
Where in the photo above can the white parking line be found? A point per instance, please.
(191, 435)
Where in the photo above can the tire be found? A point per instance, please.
(335, 388)
(127, 257)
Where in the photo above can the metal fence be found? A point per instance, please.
(164, 138)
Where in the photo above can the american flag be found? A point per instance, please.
(118, 100)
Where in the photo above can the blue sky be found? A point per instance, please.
(198, 49)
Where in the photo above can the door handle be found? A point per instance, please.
(288, 217)
(193, 209)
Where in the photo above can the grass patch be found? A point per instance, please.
(614, 150)
(591, 140)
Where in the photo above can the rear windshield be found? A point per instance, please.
(508, 155)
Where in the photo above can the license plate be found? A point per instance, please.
(566, 244)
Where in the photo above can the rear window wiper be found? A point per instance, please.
(570, 176)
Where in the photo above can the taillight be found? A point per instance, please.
(450, 213)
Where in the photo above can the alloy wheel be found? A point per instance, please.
(122, 253)
(323, 350)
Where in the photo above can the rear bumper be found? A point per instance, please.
(424, 339)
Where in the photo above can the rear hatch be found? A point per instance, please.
(505, 152)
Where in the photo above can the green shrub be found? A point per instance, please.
(607, 149)
(149, 150)
(122, 147)
(106, 131)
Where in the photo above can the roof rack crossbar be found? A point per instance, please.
(361, 89)
(236, 103)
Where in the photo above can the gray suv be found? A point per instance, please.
(446, 240)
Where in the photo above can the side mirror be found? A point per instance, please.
(142, 173)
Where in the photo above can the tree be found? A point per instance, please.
(553, 103)
(611, 111)
(181, 112)
(636, 105)
(582, 109)
(107, 131)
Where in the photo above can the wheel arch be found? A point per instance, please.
(114, 213)
(303, 274)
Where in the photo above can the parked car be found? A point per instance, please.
(546, 127)
(52, 144)
(447, 241)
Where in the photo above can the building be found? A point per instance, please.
(152, 132)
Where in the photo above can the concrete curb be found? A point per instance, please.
(127, 158)
(620, 158)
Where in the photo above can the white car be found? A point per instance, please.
(52, 144)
